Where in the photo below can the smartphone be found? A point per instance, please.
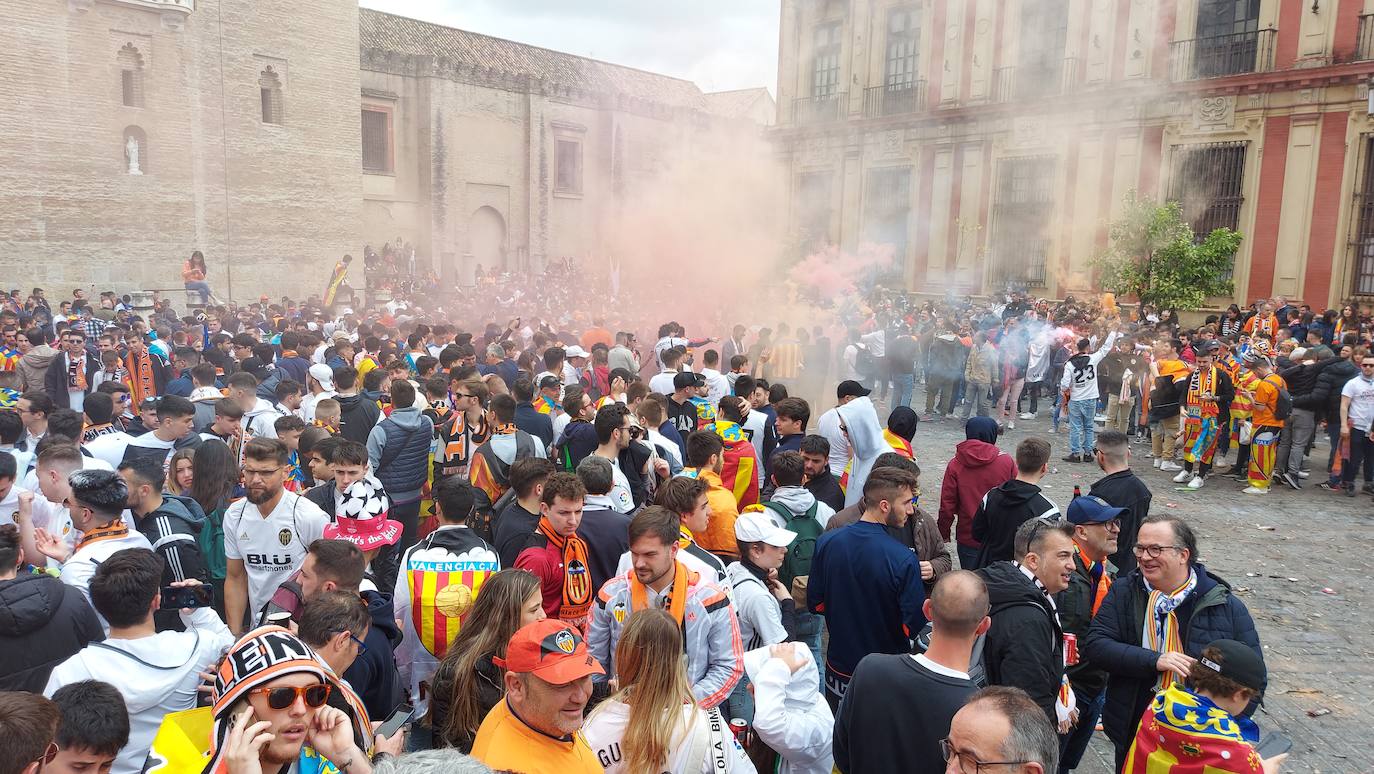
(1273, 744)
(399, 718)
(177, 597)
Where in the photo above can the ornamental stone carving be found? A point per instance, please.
(1214, 112)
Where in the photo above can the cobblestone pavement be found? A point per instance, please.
(1300, 560)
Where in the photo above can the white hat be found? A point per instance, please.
(575, 351)
(324, 375)
(1298, 354)
(756, 527)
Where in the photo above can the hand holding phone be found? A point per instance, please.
(399, 718)
(179, 597)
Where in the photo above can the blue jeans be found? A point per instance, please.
(1081, 413)
(906, 384)
(968, 556)
(1073, 744)
(201, 287)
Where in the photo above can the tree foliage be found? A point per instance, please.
(1153, 255)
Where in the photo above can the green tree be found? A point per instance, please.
(1153, 255)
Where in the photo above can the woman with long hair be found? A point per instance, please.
(653, 724)
(214, 481)
(1347, 322)
(467, 684)
(182, 472)
(193, 274)
(1231, 321)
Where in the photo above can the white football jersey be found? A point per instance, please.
(274, 547)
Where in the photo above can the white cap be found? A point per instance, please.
(756, 527)
(575, 351)
(323, 374)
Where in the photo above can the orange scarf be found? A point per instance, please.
(1104, 581)
(76, 373)
(112, 531)
(141, 381)
(677, 599)
(577, 579)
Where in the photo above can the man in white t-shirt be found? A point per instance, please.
(96, 507)
(1357, 412)
(266, 534)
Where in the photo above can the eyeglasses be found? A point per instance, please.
(362, 646)
(1153, 551)
(281, 698)
(967, 763)
(1111, 526)
(249, 473)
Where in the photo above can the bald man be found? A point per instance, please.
(880, 729)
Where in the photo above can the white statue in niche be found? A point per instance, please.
(131, 151)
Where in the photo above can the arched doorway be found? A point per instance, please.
(486, 240)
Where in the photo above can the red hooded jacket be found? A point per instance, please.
(977, 467)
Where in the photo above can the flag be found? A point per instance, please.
(442, 594)
(739, 471)
(1184, 733)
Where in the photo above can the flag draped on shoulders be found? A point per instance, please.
(1184, 733)
(740, 464)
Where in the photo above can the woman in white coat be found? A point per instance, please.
(653, 724)
(790, 714)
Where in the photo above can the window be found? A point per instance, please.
(130, 76)
(1022, 205)
(376, 140)
(813, 210)
(903, 48)
(825, 61)
(269, 90)
(568, 166)
(1207, 181)
(887, 208)
(1228, 38)
(1044, 31)
(1362, 240)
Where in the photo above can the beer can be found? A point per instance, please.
(1070, 649)
(740, 728)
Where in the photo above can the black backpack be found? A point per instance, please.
(1283, 407)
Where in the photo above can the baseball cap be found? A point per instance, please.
(1091, 509)
(324, 375)
(552, 651)
(550, 382)
(685, 379)
(850, 389)
(575, 351)
(1236, 661)
(756, 527)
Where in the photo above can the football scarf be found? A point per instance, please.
(1161, 632)
(1102, 582)
(1202, 382)
(683, 579)
(76, 373)
(577, 579)
(141, 381)
(112, 531)
(1182, 732)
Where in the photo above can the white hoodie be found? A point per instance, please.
(692, 752)
(156, 675)
(790, 715)
(261, 421)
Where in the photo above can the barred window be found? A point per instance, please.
(887, 208)
(1207, 181)
(1023, 203)
(376, 141)
(1362, 238)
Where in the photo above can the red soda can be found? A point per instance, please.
(740, 728)
(1070, 649)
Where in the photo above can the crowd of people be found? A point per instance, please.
(280, 537)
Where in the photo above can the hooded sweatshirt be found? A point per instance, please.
(156, 675)
(357, 415)
(1002, 511)
(33, 367)
(174, 530)
(398, 448)
(978, 467)
(43, 621)
(866, 443)
(260, 421)
(790, 716)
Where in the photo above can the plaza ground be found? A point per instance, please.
(1300, 560)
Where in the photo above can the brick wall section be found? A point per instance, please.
(1326, 211)
(283, 210)
(1262, 252)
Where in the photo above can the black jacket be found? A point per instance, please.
(374, 675)
(826, 488)
(490, 691)
(55, 378)
(1325, 397)
(323, 496)
(174, 530)
(43, 622)
(357, 416)
(1210, 613)
(999, 514)
(607, 533)
(1024, 646)
(1301, 380)
(1075, 605)
(528, 418)
(1124, 489)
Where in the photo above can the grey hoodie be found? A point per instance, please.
(33, 367)
(866, 443)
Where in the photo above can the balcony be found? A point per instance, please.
(1039, 79)
(1222, 55)
(819, 110)
(1364, 39)
(894, 99)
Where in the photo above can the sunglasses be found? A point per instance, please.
(281, 698)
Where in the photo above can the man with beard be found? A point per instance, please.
(266, 534)
(867, 584)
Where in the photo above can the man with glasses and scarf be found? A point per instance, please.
(1156, 620)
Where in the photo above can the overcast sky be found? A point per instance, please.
(719, 44)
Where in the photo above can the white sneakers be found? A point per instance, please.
(1170, 465)
(1158, 462)
(1254, 490)
(1196, 483)
(1182, 476)
(1027, 415)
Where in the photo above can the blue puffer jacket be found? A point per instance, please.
(1211, 613)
